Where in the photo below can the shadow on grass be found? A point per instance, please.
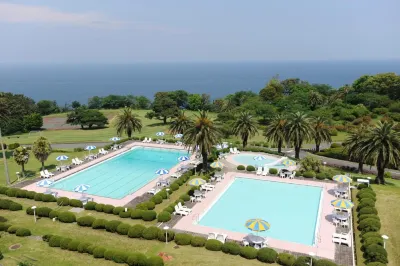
(8, 154)
(158, 124)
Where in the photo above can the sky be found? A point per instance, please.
(126, 31)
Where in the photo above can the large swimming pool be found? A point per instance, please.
(248, 159)
(124, 174)
(292, 210)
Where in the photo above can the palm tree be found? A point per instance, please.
(202, 136)
(180, 124)
(381, 146)
(321, 132)
(351, 145)
(275, 131)
(245, 126)
(128, 122)
(314, 99)
(41, 150)
(21, 157)
(299, 129)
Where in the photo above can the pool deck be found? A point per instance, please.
(323, 246)
(104, 200)
(230, 159)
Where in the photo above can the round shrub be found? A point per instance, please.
(12, 229)
(231, 248)
(302, 261)
(73, 245)
(372, 241)
(4, 227)
(111, 226)
(123, 229)
(3, 190)
(38, 196)
(309, 174)
(286, 259)
(164, 216)
(99, 207)
(198, 241)
(125, 214)
(361, 186)
(250, 168)
(5, 204)
(366, 216)
(367, 190)
(48, 198)
(55, 241)
(43, 211)
(29, 211)
(142, 206)
(12, 192)
(151, 205)
(66, 217)
(120, 257)
(367, 196)
(23, 232)
(174, 186)
(90, 206)
(366, 202)
(136, 214)
(75, 203)
(21, 193)
(163, 194)
(64, 243)
(169, 209)
(183, 239)
(375, 253)
(155, 261)
(368, 210)
(248, 253)
(30, 194)
(109, 254)
(267, 255)
(98, 252)
(213, 245)
(46, 238)
(14, 206)
(117, 210)
(86, 221)
(99, 224)
(53, 214)
(150, 233)
(321, 176)
(137, 259)
(63, 201)
(369, 225)
(241, 167)
(136, 231)
(108, 208)
(169, 233)
(273, 171)
(3, 219)
(369, 234)
(149, 215)
(90, 249)
(82, 247)
(324, 263)
(185, 197)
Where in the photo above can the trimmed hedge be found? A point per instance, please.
(73, 245)
(6, 204)
(99, 224)
(23, 232)
(63, 201)
(12, 229)
(267, 255)
(213, 245)
(368, 210)
(136, 214)
(55, 241)
(108, 208)
(86, 221)
(231, 248)
(66, 217)
(369, 225)
(169, 234)
(151, 233)
(125, 214)
(99, 207)
(43, 211)
(149, 215)
(75, 203)
(248, 253)
(136, 231)
(309, 174)
(273, 171)
(64, 243)
(250, 168)
(366, 202)
(164, 216)
(91, 205)
(286, 259)
(98, 252)
(240, 167)
(111, 226)
(183, 239)
(198, 241)
(375, 253)
(117, 210)
(123, 229)
(53, 214)
(4, 226)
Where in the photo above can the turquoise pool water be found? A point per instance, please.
(292, 210)
(124, 174)
(248, 159)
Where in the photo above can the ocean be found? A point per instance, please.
(66, 83)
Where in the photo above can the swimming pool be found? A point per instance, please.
(248, 159)
(124, 174)
(292, 210)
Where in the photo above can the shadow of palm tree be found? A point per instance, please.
(8, 154)
(159, 124)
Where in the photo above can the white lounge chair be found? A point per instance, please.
(265, 243)
(231, 151)
(48, 173)
(102, 151)
(212, 235)
(149, 140)
(176, 175)
(245, 243)
(335, 222)
(145, 140)
(259, 171)
(43, 175)
(206, 188)
(292, 175)
(153, 191)
(209, 185)
(78, 160)
(184, 208)
(221, 238)
(192, 199)
(180, 212)
(342, 239)
(236, 151)
(265, 171)
(345, 224)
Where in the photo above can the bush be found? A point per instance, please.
(66, 217)
(142, 206)
(63, 201)
(75, 203)
(183, 239)
(21, 193)
(368, 210)
(46, 238)
(248, 253)
(365, 191)
(120, 257)
(15, 206)
(12, 229)
(13, 146)
(117, 210)
(198, 241)
(170, 235)
(273, 171)
(366, 216)
(91, 205)
(372, 241)
(98, 252)
(321, 176)
(366, 202)
(241, 167)
(23, 232)
(286, 259)
(155, 261)
(43, 211)
(169, 209)
(109, 254)
(99, 207)
(38, 196)
(137, 259)
(73, 245)
(123, 229)
(30, 194)
(231, 248)
(324, 263)
(375, 253)
(213, 245)
(250, 168)
(369, 234)
(48, 198)
(164, 216)
(90, 249)
(65, 242)
(4, 227)
(136, 231)
(362, 186)
(149, 215)
(108, 208)
(86, 221)
(369, 225)
(3, 219)
(136, 214)
(309, 174)
(302, 261)
(151, 205)
(150, 233)
(83, 247)
(387, 175)
(5, 204)
(111, 226)
(54, 241)
(12, 192)
(99, 224)
(157, 199)
(185, 197)
(333, 132)
(125, 214)
(267, 255)
(53, 214)
(336, 145)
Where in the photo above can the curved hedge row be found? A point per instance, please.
(12, 229)
(6, 204)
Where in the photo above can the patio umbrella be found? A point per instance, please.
(114, 139)
(44, 183)
(62, 158)
(81, 188)
(162, 171)
(160, 134)
(257, 225)
(216, 165)
(196, 182)
(342, 179)
(183, 158)
(287, 162)
(89, 148)
(219, 147)
(342, 203)
(178, 136)
(259, 158)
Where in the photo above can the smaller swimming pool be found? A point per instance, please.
(248, 159)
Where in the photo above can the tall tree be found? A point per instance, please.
(381, 146)
(351, 146)
(41, 150)
(163, 107)
(202, 136)
(275, 131)
(321, 131)
(299, 130)
(128, 122)
(21, 157)
(245, 126)
(180, 124)
(272, 91)
(314, 99)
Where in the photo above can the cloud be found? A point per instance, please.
(17, 13)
